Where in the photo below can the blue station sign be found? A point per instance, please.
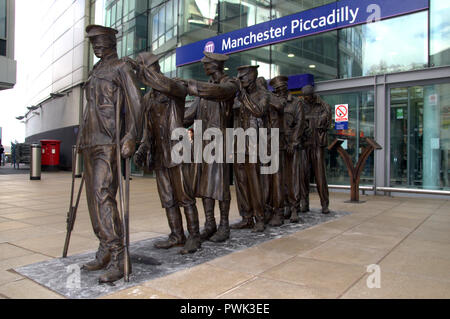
(337, 15)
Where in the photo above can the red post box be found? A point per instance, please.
(50, 154)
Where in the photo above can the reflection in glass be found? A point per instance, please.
(198, 20)
(385, 46)
(440, 32)
(361, 125)
(260, 56)
(420, 136)
(316, 55)
(163, 24)
(238, 14)
(281, 8)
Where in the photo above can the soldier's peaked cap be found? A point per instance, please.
(94, 30)
(307, 90)
(279, 81)
(242, 70)
(214, 57)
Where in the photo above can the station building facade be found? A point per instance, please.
(8, 66)
(394, 72)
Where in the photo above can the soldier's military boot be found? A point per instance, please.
(115, 269)
(210, 223)
(245, 223)
(193, 242)
(177, 237)
(278, 218)
(223, 233)
(259, 225)
(294, 216)
(101, 260)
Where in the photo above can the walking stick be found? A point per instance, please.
(122, 205)
(126, 221)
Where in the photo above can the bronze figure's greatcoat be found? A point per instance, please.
(254, 107)
(164, 113)
(294, 123)
(110, 88)
(214, 108)
(318, 118)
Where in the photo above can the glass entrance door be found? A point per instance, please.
(420, 136)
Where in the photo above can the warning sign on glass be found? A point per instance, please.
(341, 117)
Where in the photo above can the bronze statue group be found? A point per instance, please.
(116, 116)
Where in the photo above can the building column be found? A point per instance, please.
(431, 138)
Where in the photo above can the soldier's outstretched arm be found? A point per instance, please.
(218, 92)
(162, 83)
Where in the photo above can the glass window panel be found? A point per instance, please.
(119, 48)
(162, 21)
(119, 9)
(126, 7)
(124, 45)
(440, 32)
(141, 6)
(420, 138)
(385, 46)
(361, 119)
(155, 3)
(238, 14)
(155, 19)
(169, 35)
(198, 20)
(132, 6)
(169, 15)
(281, 8)
(113, 14)
(141, 32)
(108, 17)
(3, 19)
(130, 43)
(175, 11)
(316, 55)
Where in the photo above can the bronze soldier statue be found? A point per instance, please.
(164, 113)
(318, 120)
(214, 108)
(294, 124)
(254, 107)
(111, 88)
(276, 180)
(242, 197)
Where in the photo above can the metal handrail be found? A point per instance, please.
(391, 189)
(347, 187)
(413, 191)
